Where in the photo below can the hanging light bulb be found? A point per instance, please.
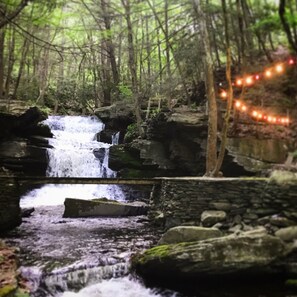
(260, 116)
(249, 80)
(254, 113)
(279, 68)
(291, 62)
(243, 108)
(268, 73)
(237, 104)
(239, 82)
(257, 77)
(224, 94)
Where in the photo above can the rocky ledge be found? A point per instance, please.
(22, 142)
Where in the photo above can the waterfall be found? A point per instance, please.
(115, 138)
(75, 152)
(60, 255)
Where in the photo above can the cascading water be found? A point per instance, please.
(59, 254)
(73, 155)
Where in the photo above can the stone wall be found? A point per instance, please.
(10, 213)
(251, 201)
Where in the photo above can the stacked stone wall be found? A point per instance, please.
(252, 201)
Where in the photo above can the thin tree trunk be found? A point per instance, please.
(132, 66)
(11, 60)
(230, 94)
(173, 53)
(211, 151)
(2, 42)
(21, 66)
(281, 11)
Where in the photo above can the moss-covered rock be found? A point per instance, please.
(229, 256)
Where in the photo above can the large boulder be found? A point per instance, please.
(75, 208)
(188, 233)
(225, 257)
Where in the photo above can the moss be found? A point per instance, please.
(21, 293)
(291, 283)
(156, 252)
(7, 290)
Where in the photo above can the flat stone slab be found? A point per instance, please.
(75, 208)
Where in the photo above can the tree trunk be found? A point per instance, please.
(230, 95)
(133, 67)
(11, 60)
(21, 66)
(211, 151)
(2, 42)
(281, 11)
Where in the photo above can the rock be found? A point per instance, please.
(26, 212)
(75, 208)
(283, 178)
(287, 234)
(229, 256)
(225, 206)
(188, 233)
(211, 217)
(281, 221)
(10, 280)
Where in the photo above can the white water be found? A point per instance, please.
(72, 156)
(90, 253)
(122, 287)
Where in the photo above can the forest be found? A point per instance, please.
(76, 56)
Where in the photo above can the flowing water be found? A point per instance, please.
(62, 256)
(88, 257)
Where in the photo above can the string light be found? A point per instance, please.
(258, 115)
(224, 94)
(249, 80)
(268, 73)
(279, 68)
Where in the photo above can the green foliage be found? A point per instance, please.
(125, 92)
(131, 133)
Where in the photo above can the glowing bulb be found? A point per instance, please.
(249, 80)
(287, 120)
(269, 119)
(224, 94)
(268, 73)
(237, 104)
(274, 120)
(260, 116)
(239, 82)
(257, 77)
(279, 68)
(255, 113)
(291, 62)
(243, 108)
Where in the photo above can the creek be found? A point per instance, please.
(61, 256)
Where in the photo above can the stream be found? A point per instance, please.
(89, 257)
(84, 256)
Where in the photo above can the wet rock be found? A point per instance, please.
(211, 217)
(188, 233)
(230, 256)
(26, 212)
(287, 234)
(75, 208)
